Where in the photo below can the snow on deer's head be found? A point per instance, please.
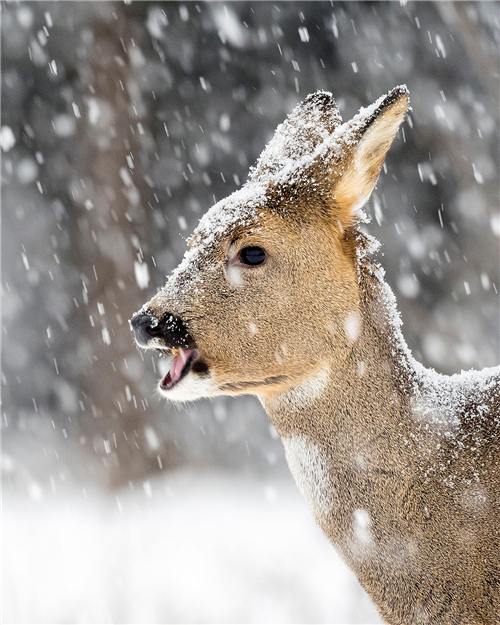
(267, 295)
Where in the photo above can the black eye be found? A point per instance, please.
(252, 256)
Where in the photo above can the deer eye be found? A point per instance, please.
(252, 256)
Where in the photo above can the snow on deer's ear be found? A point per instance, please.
(309, 124)
(367, 139)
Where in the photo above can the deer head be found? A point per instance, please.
(263, 297)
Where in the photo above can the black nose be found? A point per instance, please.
(145, 328)
(170, 330)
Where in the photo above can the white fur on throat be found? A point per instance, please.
(192, 387)
(308, 467)
(308, 392)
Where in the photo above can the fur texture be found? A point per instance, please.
(401, 466)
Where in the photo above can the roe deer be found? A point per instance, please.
(278, 297)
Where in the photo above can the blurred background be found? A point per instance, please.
(122, 123)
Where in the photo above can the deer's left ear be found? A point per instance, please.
(367, 139)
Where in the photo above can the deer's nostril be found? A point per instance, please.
(170, 330)
(154, 327)
(145, 327)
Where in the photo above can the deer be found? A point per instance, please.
(279, 296)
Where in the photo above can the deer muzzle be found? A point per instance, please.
(169, 332)
(169, 336)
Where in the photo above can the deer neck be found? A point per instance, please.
(348, 424)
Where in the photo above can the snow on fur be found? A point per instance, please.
(312, 130)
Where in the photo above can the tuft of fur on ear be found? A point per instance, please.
(309, 124)
(367, 140)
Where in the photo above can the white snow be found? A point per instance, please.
(485, 281)
(408, 286)
(27, 170)
(38, 54)
(437, 400)
(205, 85)
(125, 176)
(440, 46)
(156, 22)
(224, 122)
(64, 125)
(94, 110)
(362, 526)
(25, 17)
(352, 325)
(304, 34)
(152, 438)
(7, 138)
(228, 25)
(142, 276)
(297, 141)
(309, 133)
(495, 224)
(180, 549)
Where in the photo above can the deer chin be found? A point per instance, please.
(188, 378)
(190, 388)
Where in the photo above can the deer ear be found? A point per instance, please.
(309, 124)
(368, 138)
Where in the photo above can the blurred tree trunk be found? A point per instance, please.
(111, 221)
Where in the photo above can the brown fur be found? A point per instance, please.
(404, 466)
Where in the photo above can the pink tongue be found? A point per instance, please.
(178, 363)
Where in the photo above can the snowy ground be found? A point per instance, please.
(185, 548)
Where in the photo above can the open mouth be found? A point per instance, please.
(179, 367)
